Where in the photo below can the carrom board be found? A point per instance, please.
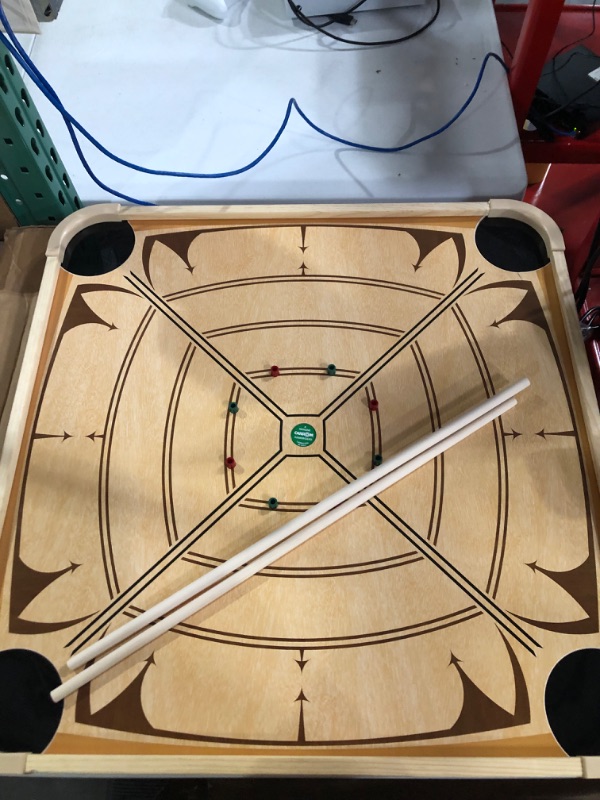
(425, 624)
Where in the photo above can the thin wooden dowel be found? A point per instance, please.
(362, 495)
(254, 550)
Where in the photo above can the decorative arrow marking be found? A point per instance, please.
(528, 309)
(301, 699)
(80, 313)
(479, 712)
(579, 583)
(179, 243)
(93, 436)
(543, 433)
(27, 584)
(64, 436)
(428, 241)
(454, 660)
(125, 712)
(303, 247)
(512, 433)
(301, 661)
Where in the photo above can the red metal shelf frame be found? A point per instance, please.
(535, 33)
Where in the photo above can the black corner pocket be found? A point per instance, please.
(29, 717)
(99, 249)
(573, 702)
(510, 244)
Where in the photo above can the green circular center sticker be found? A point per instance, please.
(303, 434)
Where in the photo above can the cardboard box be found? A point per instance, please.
(7, 218)
(22, 260)
(21, 16)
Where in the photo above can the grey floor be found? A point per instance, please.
(191, 789)
(31, 788)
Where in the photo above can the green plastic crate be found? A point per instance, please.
(33, 180)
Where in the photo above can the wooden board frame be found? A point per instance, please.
(261, 765)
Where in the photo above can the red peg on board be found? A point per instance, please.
(230, 462)
(373, 405)
(275, 371)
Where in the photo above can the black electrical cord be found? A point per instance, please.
(554, 69)
(508, 50)
(585, 275)
(590, 323)
(297, 10)
(571, 101)
(547, 130)
(335, 17)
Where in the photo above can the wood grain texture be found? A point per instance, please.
(431, 616)
(303, 766)
(13, 764)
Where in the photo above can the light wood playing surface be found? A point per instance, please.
(425, 622)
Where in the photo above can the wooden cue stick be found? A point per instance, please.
(274, 553)
(254, 550)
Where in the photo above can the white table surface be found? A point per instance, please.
(161, 84)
